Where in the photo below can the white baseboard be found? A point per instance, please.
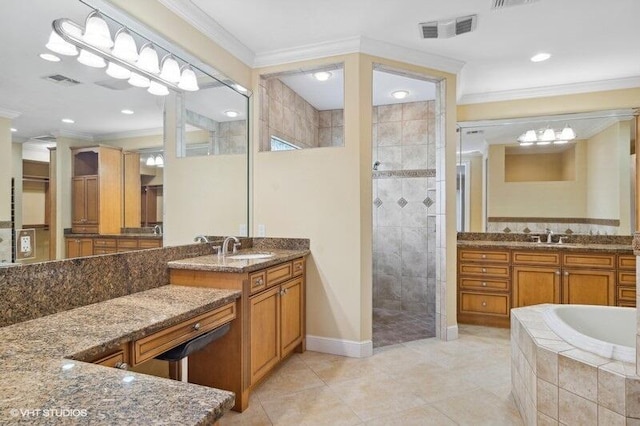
(341, 347)
(452, 332)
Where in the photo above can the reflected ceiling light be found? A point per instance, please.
(526, 143)
(97, 32)
(240, 88)
(400, 94)
(151, 161)
(67, 120)
(124, 46)
(540, 57)
(548, 135)
(59, 45)
(139, 81)
(322, 75)
(68, 366)
(528, 136)
(91, 60)
(188, 79)
(170, 69)
(559, 142)
(157, 89)
(543, 142)
(567, 133)
(13, 129)
(49, 57)
(148, 59)
(159, 161)
(231, 113)
(116, 71)
(127, 111)
(128, 379)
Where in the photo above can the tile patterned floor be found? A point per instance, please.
(394, 326)
(425, 382)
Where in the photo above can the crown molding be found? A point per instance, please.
(548, 91)
(73, 135)
(201, 21)
(8, 113)
(129, 134)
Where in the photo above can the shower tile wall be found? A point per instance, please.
(404, 207)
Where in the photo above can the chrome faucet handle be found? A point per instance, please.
(235, 247)
(562, 240)
(535, 238)
(201, 239)
(217, 250)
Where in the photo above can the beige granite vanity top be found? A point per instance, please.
(602, 248)
(215, 263)
(43, 382)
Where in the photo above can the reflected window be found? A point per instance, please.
(302, 109)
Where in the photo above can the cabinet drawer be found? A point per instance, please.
(107, 250)
(113, 360)
(487, 285)
(489, 304)
(127, 244)
(149, 243)
(589, 260)
(258, 281)
(627, 303)
(84, 229)
(484, 270)
(150, 346)
(104, 242)
(298, 267)
(626, 261)
(536, 258)
(627, 278)
(627, 293)
(484, 256)
(278, 274)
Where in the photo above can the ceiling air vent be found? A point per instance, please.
(61, 79)
(499, 4)
(448, 27)
(44, 138)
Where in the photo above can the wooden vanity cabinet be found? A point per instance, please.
(626, 282)
(589, 279)
(536, 278)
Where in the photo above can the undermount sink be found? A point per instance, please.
(250, 256)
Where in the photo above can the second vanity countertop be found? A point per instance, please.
(215, 263)
(565, 247)
(39, 371)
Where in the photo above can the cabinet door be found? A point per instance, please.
(588, 287)
(533, 285)
(78, 195)
(264, 312)
(291, 305)
(91, 199)
(79, 247)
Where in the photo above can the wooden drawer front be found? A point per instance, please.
(627, 303)
(536, 258)
(485, 270)
(150, 346)
(127, 244)
(479, 284)
(589, 260)
(104, 242)
(626, 261)
(479, 303)
(107, 250)
(279, 274)
(258, 281)
(149, 243)
(627, 293)
(484, 256)
(298, 267)
(627, 278)
(84, 229)
(113, 360)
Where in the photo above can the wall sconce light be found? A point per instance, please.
(95, 48)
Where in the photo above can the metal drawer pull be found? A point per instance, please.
(484, 303)
(484, 256)
(122, 365)
(484, 284)
(484, 270)
(259, 281)
(196, 326)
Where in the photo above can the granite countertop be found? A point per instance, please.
(215, 263)
(603, 248)
(43, 375)
(127, 235)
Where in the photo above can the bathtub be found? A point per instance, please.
(607, 331)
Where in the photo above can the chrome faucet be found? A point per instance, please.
(201, 239)
(549, 234)
(157, 230)
(225, 245)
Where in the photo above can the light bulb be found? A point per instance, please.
(322, 75)
(49, 57)
(157, 89)
(159, 160)
(138, 81)
(148, 59)
(58, 45)
(543, 142)
(170, 69)
(530, 136)
(116, 71)
(97, 32)
(548, 135)
(188, 79)
(400, 94)
(560, 142)
(125, 46)
(567, 133)
(231, 113)
(151, 161)
(91, 60)
(526, 143)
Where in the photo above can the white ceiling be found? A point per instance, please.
(590, 40)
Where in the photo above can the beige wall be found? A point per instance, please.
(476, 176)
(539, 167)
(5, 169)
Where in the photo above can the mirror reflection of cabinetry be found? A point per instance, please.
(151, 205)
(97, 190)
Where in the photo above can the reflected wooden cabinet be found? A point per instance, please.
(79, 247)
(84, 211)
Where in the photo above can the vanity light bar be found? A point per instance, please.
(69, 36)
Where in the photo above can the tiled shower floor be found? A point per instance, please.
(394, 326)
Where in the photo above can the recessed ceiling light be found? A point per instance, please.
(540, 57)
(127, 111)
(231, 114)
(68, 121)
(49, 57)
(322, 75)
(13, 129)
(400, 94)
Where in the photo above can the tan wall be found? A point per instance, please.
(536, 167)
(475, 193)
(33, 203)
(5, 169)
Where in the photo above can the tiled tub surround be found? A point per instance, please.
(568, 226)
(38, 374)
(526, 238)
(404, 221)
(555, 383)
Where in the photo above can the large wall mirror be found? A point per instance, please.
(60, 104)
(571, 173)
